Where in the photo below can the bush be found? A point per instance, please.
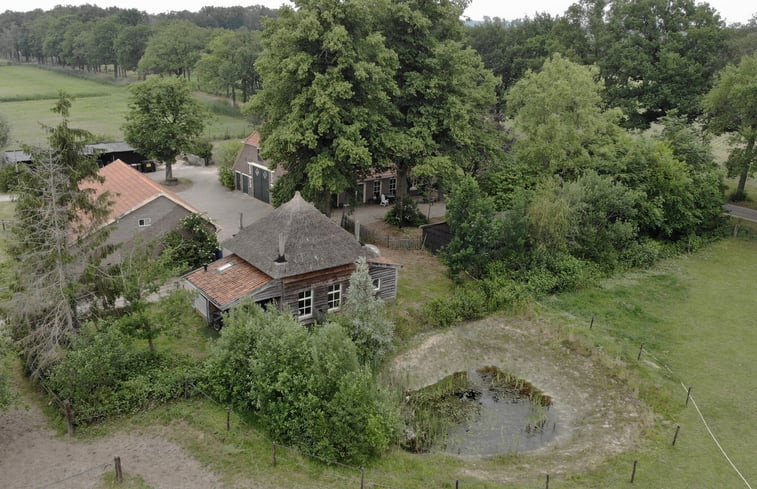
(202, 148)
(405, 213)
(307, 386)
(192, 244)
(226, 177)
(641, 254)
(104, 374)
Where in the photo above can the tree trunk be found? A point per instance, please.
(748, 157)
(169, 171)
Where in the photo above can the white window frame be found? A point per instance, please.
(143, 222)
(334, 297)
(376, 189)
(305, 304)
(393, 186)
(376, 282)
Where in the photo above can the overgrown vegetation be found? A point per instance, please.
(192, 245)
(227, 155)
(308, 387)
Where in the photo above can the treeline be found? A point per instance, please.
(91, 38)
(653, 55)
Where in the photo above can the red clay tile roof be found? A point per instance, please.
(130, 190)
(253, 139)
(225, 284)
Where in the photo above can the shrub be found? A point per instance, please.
(307, 386)
(202, 148)
(104, 374)
(364, 320)
(226, 177)
(192, 244)
(405, 213)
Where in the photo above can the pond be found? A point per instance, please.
(481, 412)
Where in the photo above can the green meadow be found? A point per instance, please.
(27, 93)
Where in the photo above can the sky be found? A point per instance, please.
(730, 10)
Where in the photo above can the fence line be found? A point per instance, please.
(372, 236)
(704, 421)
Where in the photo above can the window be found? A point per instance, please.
(393, 186)
(376, 284)
(305, 304)
(144, 222)
(376, 189)
(257, 154)
(335, 296)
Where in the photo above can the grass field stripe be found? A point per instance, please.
(715, 439)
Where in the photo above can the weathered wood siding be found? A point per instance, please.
(387, 274)
(319, 283)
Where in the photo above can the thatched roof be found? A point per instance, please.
(310, 240)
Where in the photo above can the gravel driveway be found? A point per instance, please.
(210, 197)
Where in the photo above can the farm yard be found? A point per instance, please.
(28, 92)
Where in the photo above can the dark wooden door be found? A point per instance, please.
(260, 184)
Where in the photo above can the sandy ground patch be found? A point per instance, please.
(597, 416)
(33, 456)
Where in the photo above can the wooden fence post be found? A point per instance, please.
(274, 454)
(547, 486)
(641, 349)
(591, 324)
(362, 478)
(69, 418)
(633, 473)
(675, 437)
(119, 474)
(228, 419)
(688, 396)
(457, 484)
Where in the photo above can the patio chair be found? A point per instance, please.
(384, 201)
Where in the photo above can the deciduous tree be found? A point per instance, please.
(731, 108)
(328, 80)
(163, 119)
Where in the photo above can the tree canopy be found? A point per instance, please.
(349, 87)
(163, 119)
(731, 108)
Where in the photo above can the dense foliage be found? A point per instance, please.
(307, 386)
(105, 373)
(192, 245)
(356, 86)
(590, 197)
(163, 119)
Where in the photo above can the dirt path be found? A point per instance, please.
(597, 416)
(33, 456)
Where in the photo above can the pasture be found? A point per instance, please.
(27, 93)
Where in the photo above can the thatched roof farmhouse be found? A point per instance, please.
(296, 257)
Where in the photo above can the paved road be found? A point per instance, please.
(7, 198)
(221, 205)
(741, 212)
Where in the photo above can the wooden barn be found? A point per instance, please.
(296, 257)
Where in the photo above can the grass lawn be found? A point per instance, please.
(698, 315)
(27, 93)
